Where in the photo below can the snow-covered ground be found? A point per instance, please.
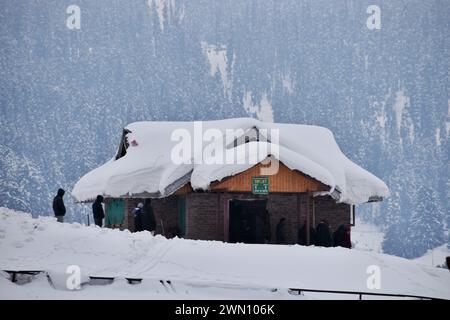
(367, 237)
(435, 257)
(195, 269)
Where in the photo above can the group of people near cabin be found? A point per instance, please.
(144, 220)
(321, 236)
(59, 209)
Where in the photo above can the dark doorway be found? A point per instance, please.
(249, 221)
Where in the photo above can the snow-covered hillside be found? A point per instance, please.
(195, 269)
(384, 93)
(435, 257)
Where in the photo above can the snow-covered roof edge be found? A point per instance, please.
(147, 169)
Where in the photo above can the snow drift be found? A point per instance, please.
(251, 270)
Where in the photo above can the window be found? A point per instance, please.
(123, 144)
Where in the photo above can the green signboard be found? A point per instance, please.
(260, 185)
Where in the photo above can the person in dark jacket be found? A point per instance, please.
(346, 241)
(301, 236)
(137, 214)
(341, 237)
(58, 206)
(148, 217)
(97, 210)
(323, 234)
(280, 231)
(338, 236)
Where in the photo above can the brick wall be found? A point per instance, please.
(165, 210)
(205, 213)
(166, 214)
(285, 206)
(129, 219)
(202, 216)
(334, 213)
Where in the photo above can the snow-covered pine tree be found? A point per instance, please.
(394, 237)
(448, 210)
(448, 230)
(427, 223)
(399, 208)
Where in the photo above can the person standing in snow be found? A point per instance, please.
(280, 231)
(346, 241)
(148, 217)
(58, 205)
(137, 213)
(97, 210)
(323, 234)
(341, 237)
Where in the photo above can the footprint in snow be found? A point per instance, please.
(29, 239)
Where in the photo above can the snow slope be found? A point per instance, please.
(197, 269)
(367, 236)
(435, 257)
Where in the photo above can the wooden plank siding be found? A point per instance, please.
(184, 190)
(285, 180)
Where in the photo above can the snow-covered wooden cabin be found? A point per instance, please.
(205, 198)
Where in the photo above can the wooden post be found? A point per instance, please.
(299, 215)
(226, 218)
(313, 212)
(186, 216)
(218, 207)
(308, 236)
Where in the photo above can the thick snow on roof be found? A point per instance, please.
(147, 167)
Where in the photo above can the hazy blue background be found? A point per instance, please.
(66, 94)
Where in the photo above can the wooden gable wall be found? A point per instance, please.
(286, 180)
